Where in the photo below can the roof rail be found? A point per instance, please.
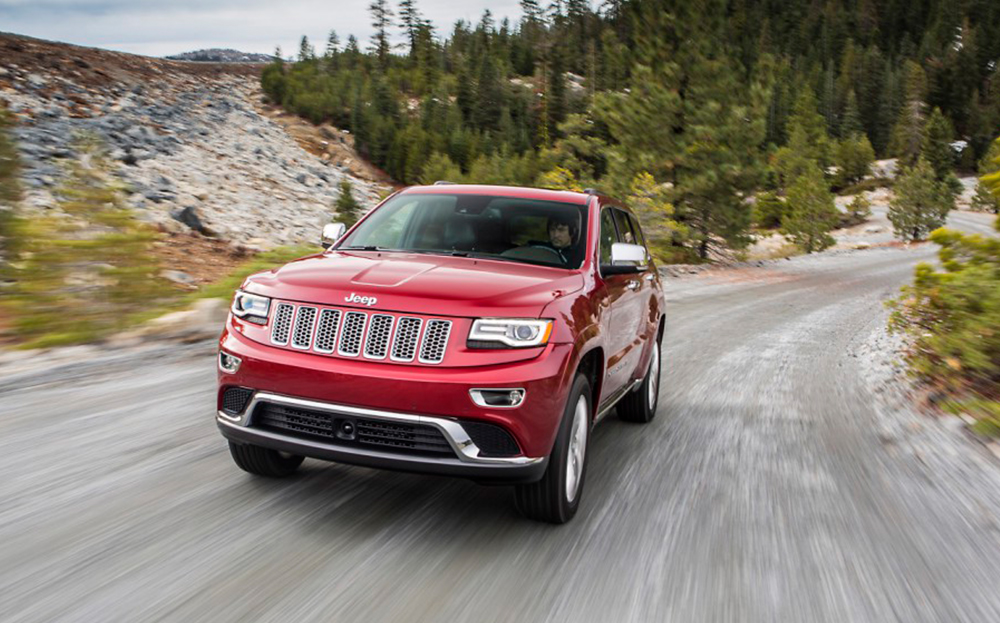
(590, 191)
(445, 183)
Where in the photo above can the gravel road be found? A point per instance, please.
(766, 490)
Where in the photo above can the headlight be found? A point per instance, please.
(252, 307)
(509, 333)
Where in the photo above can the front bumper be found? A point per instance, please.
(468, 460)
(437, 397)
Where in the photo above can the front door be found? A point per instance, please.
(621, 319)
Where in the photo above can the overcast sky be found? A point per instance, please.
(161, 27)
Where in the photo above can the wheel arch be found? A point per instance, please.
(591, 365)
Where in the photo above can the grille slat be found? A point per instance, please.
(435, 340)
(305, 320)
(377, 344)
(404, 343)
(351, 333)
(282, 324)
(326, 331)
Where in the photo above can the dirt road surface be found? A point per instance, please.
(767, 489)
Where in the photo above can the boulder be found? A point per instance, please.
(190, 217)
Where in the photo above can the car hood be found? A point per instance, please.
(417, 283)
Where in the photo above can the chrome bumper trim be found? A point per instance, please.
(465, 449)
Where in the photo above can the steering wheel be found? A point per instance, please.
(549, 249)
(536, 253)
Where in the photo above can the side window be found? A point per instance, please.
(624, 228)
(639, 238)
(608, 235)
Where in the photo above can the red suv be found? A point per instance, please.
(473, 331)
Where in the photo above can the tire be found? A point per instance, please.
(264, 461)
(550, 499)
(639, 405)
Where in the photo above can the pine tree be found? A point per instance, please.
(348, 210)
(808, 130)
(488, 96)
(907, 134)
(850, 123)
(381, 21)
(811, 211)
(921, 203)
(936, 145)
(555, 95)
(689, 120)
(854, 159)
(410, 22)
(306, 52)
(991, 179)
(352, 52)
(332, 44)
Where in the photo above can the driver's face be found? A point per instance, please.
(559, 235)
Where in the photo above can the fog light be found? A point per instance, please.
(229, 363)
(497, 398)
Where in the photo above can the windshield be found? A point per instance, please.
(548, 233)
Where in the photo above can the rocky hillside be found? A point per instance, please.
(194, 144)
(215, 55)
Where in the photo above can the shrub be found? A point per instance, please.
(86, 271)
(769, 210)
(10, 189)
(859, 210)
(440, 168)
(954, 319)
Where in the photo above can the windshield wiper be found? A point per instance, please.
(369, 247)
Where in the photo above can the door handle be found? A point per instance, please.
(632, 285)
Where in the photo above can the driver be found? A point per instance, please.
(564, 234)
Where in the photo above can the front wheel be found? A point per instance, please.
(264, 461)
(556, 496)
(640, 405)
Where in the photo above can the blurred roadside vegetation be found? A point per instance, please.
(953, 317)
(86, 270)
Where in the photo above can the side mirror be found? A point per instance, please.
(626, 259)
(331, 233)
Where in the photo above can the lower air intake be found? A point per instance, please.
(350, 431)
(493, 441)
(235, 399)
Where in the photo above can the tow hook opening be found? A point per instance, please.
(346, 430)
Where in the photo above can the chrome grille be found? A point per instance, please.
(305, 319)
(404, 344)
(350, 337)
(377, 344)
(352, 333)
(326, 331)
(435, 341)
(282, 324)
